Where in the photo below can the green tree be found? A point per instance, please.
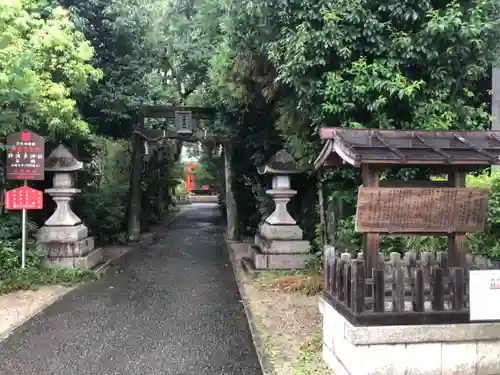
(44, 65)
(318, 63)
(408, 65)
(150, 53)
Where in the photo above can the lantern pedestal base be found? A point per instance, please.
(277, 247)
(259, 261)
(281, 246)
(68, 247)
(62, 234)
(87, 261)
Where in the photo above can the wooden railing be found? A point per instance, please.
(401, 291)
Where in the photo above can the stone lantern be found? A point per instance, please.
(279, 243)
(63, 239)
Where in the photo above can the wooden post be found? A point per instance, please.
(358, 286)
(160, 190)
(340, 280)
(231, 212)
(137, 163)
(418, 290)
(347, 284)
(371, 241)
(437, 286)
(456, 241)
(321, 204)
(458, 301)
(378, 290)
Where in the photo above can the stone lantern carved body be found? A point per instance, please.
(64, 238)
(279, 244)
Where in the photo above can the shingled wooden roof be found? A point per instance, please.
(403, 147)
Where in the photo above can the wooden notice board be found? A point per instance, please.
(421, 210)
(25, 156)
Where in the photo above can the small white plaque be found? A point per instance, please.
(484, 295)
(281, 182)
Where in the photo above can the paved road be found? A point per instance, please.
(172, 307)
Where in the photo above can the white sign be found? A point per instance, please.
(484, 295)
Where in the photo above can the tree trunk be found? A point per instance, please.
(232, 215)
(134, 208)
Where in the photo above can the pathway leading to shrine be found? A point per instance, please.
(171, 308)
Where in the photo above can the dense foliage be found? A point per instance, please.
(303, 65)
(78, 72)
(73, 73)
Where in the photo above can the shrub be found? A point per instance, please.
(33, 277)
(102, 205)
(12, 277)
(487, 243)
(105, 213)
(10, 243)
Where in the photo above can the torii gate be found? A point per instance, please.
(186, 130)
(189, 177)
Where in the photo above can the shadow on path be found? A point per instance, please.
(172, 307)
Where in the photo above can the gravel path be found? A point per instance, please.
(172, 307)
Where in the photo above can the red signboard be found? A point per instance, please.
(24, 198)
(25, 156)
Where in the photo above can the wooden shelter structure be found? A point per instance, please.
(436, 208)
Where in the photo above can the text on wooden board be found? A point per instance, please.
(25, 156)
(421, 210)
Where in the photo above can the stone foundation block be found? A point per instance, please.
(447, 349)
(280, 232)
(66, 249)
(88, 261)
(274, 246)
(62, 234)
(262, 261)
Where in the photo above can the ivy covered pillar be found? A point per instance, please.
(231, 211)
(495, 101)
(137, 164)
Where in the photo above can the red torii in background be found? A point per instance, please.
(190, 183)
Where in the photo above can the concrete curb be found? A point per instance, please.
(4, 335)
(265, 363)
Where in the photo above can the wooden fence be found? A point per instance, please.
(411, 290)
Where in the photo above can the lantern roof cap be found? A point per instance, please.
(62, 160)
(281, 163)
